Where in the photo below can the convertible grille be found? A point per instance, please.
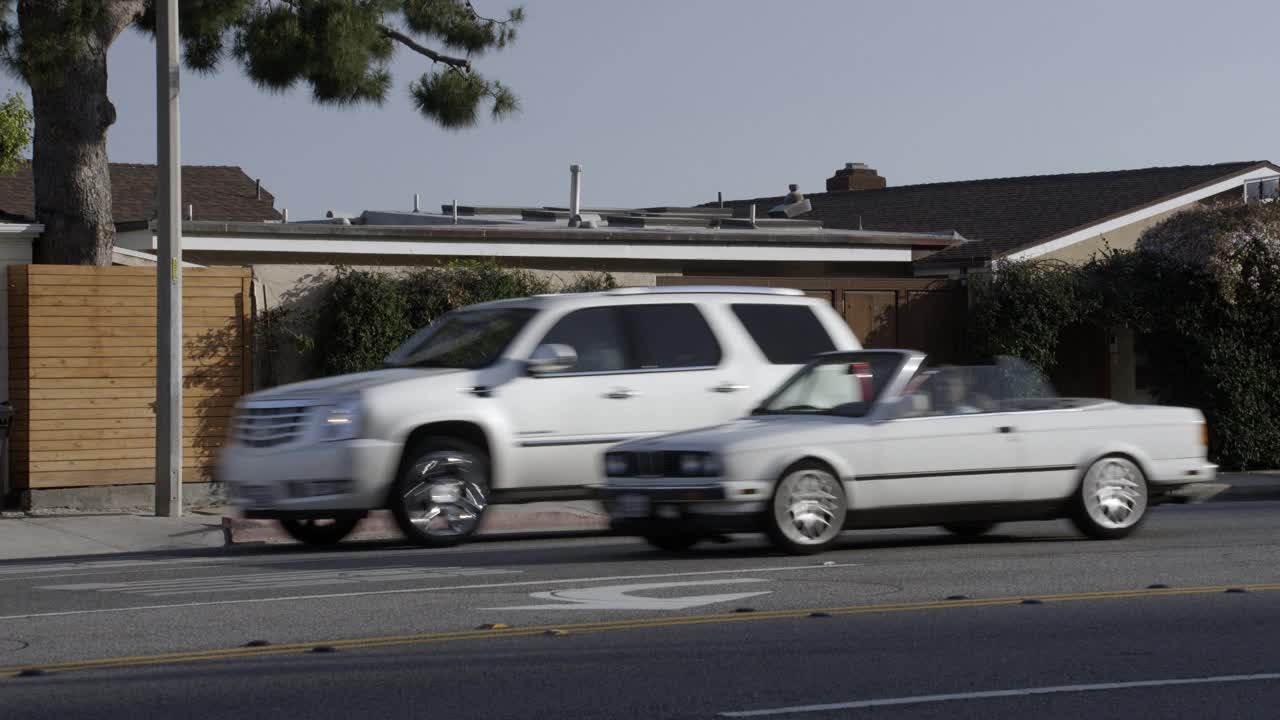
(262, 427)
(654, 464)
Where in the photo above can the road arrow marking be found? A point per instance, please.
(616, 597)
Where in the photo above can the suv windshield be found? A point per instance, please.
(469, 339)
(845, 384)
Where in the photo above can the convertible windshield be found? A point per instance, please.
(468, 339)
(846, 384)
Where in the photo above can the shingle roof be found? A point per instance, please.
(1003, 215)
(215, 192)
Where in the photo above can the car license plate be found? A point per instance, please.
(633, 506)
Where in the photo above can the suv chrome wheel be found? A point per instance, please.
(442, 495)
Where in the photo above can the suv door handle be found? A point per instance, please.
(1005, 429)
(728, 388)
(621, 394)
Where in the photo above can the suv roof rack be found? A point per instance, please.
(724, 289)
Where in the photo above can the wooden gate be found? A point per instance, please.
(916, 313)
(82, 348)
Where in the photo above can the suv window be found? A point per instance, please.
(786, 334)
(672, 336)
(596, 335)
(470, 339)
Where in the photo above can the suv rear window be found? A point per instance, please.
(786, 334)
(672, 336)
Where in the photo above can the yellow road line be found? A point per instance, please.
(612, 625)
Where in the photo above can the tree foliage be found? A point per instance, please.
(15, 133)
(340, 49)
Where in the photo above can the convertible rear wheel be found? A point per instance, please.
(1112, 500)
(969, 530)
(808, 509)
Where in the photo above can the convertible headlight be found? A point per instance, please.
(699, 464)
(342, 419)
(617, 465)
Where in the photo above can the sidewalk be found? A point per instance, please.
(48, 534)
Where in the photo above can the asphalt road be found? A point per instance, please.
(606, 628)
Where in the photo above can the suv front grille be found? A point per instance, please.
(262, 427)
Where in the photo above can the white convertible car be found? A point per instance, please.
(878, 439)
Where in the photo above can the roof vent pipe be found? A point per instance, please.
(720, 198)
(455, 212)
(257, 189)
(753, 215)
(285, 214)
(415, 202)
(575, 195)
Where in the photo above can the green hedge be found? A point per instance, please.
(1201, 292)
(363, 315)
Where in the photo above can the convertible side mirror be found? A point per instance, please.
(548, 359)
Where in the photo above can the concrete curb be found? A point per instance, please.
(497, 523)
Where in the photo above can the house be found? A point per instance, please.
(638, 246)
(209, 193)
(1067, 217)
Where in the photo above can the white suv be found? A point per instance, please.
(513, 401)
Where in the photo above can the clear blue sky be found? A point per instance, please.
(670, 101)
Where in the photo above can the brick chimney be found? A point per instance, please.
(854, 176)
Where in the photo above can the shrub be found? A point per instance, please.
(1201, 292)
(363, 315)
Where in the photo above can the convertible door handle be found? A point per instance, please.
(621, 394)
(1005, 429)
(728, 388)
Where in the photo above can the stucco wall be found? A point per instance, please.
(1124, 238)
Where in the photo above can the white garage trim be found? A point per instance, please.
(826, 252)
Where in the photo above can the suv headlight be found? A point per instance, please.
(341, 420)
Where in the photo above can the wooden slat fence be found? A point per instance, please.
(82, 363)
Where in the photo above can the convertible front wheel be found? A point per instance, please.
(808, 509)
(1112, 499)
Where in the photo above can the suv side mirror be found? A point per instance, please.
(551, 359)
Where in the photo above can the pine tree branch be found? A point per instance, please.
(414, 45)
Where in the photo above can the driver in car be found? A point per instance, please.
(951, 394)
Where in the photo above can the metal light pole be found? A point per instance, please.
(168, 268)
